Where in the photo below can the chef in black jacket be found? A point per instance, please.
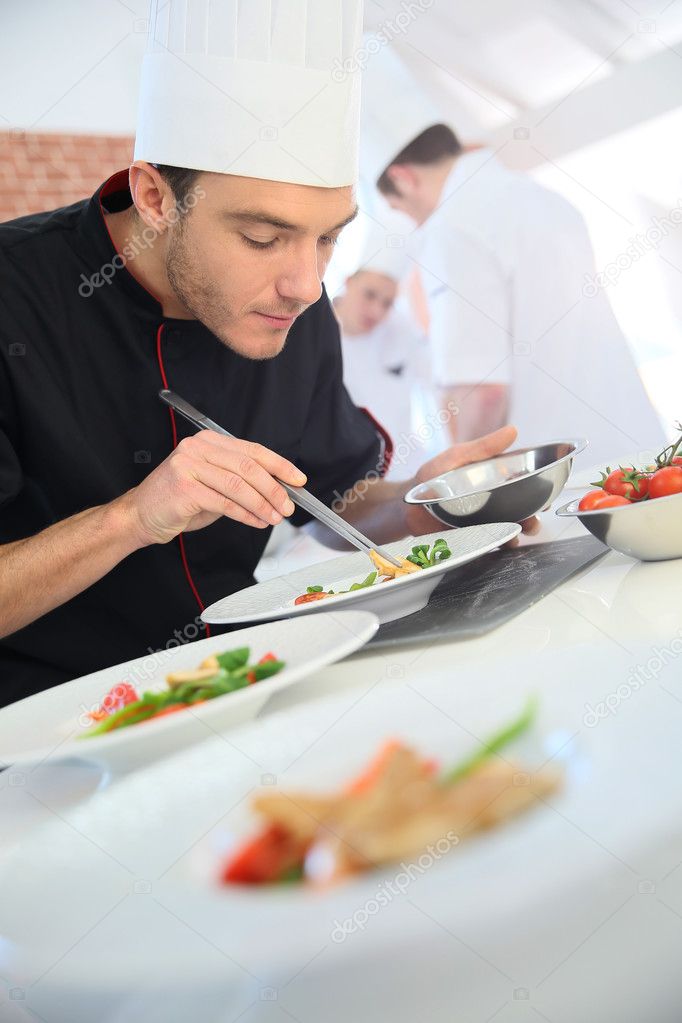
(119, 523)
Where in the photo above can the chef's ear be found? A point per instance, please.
(152, 195)
(403, 178)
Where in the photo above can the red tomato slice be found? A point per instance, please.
(306, 598)
(264, 858)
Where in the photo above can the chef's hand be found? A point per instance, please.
(419, 520)
(208, 476)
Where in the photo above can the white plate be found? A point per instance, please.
(47, 726)
(394, 599)
(111, 911)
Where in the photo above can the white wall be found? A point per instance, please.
(71, 65)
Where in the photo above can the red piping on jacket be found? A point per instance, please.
(387, 453)
(115, 183)
(174, 428)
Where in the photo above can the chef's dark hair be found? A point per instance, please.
(433, 145)
(180, 179)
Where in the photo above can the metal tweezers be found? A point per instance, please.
(299, 495)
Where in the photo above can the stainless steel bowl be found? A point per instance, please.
(508, 488)
(647, 530)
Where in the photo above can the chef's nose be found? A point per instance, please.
(302, 281)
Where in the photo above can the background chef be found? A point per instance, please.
(503, 261)
(117, 525)
(385, 358)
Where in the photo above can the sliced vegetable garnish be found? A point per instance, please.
(495, 743)
(391, 811)
(219, 674)
(420, 554)
(420, 557)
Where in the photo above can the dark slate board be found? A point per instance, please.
(488, 592)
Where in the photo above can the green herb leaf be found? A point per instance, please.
(232, 659)
(495, 743)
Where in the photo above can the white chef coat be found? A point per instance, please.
(383, 371)
(504, 263)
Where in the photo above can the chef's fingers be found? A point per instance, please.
(210, 500)
(240, 481)
(531, 526)
(469, 451)
(273, 463)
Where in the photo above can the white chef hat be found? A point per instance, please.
(395, 110)
(385, 247)
(253, 87)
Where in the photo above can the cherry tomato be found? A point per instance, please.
(306, 598)
(617, 483)
(666, 481)
(597, 499)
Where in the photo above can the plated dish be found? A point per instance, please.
(354, 582)
(396, 809)
(85, 718)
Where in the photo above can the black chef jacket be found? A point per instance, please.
(82, 359)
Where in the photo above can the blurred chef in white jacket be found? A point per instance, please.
(514, 334)
(385, 355)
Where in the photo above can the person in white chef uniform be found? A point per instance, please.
(503, 261)
(384, 354)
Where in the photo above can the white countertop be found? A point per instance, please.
(603, 650)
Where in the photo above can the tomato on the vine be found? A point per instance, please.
(666, 481)
(628, 483)
(598, 499)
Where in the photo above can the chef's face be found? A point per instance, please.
(368, 299)
(250, 256)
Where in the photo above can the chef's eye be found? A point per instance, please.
(327, 239)
(256, 244)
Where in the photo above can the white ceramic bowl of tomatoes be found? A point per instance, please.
(636, 512)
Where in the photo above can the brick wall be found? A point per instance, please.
(42, 172)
